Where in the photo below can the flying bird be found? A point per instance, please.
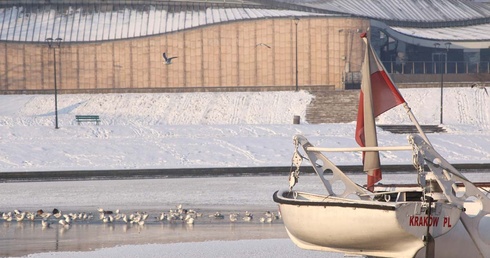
(480, 87)
(263, 44)
(168, 60)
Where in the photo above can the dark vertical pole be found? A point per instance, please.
(55, 91)
(444, 70)
(442, 87)
(296, 20)
(429, 239)
(53, 44)
(440, 63)
(296, 56)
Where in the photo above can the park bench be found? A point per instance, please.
(87, 118)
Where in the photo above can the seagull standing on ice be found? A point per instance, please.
(189, 219)
(233, 217)
(7, 216)
(45, 223)
(168, 60)
(64, 221)
(43, 215)
(20, 216)
(217, 215)
(248, 216)
(56, 213)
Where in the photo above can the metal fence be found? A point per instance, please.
(449, 67)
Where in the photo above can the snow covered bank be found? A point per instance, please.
(235, 129)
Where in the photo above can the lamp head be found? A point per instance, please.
(58, 41)
(296, 20)
(448, 45)
(50, 41)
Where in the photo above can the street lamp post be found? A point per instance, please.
(443, 66)
(55, 44)
(296, 21)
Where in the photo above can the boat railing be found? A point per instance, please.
(352, 149)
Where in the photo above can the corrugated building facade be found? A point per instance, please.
(111, 46)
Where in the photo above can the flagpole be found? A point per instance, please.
(416, 123)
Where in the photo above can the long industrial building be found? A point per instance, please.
(117, 45)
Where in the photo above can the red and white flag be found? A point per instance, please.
(378, 95)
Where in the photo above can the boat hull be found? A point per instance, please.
(372, 228)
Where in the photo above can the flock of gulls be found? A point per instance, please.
(178, 215)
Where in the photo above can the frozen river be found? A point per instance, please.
(154, 196)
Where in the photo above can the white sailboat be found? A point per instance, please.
(443, 215)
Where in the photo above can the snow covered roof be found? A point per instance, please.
(422, 22)
(449, 20)
(414, 13)
(86, 23)
(475, 32)
(469, 37)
